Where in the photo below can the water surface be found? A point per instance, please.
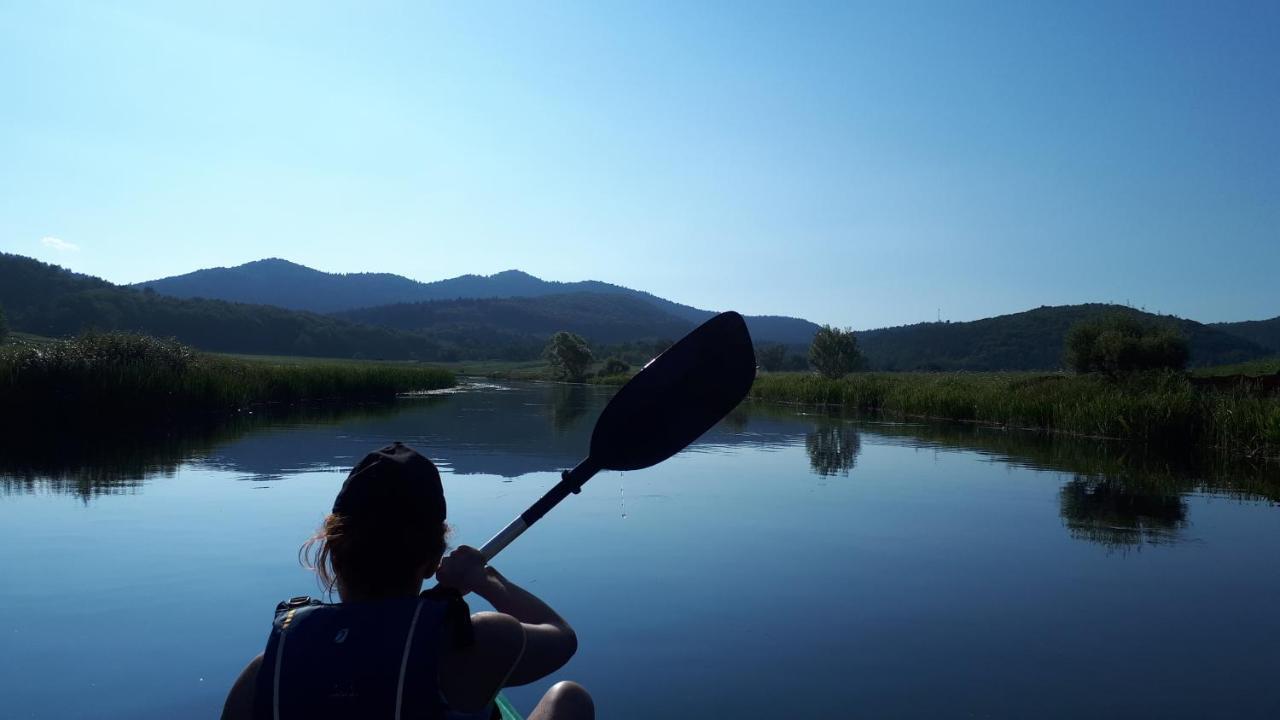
(787, 565)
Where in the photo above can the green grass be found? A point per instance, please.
(1264, 366)
(1156, 407)
(132, 377)
(502, 369)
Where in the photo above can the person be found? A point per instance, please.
(387, 650)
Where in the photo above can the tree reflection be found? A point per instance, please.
(568, 403)
(832, 449)
(1106, 511)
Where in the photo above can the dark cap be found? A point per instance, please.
(394, 483)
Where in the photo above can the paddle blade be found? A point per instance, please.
(676, 397)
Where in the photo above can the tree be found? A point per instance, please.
(834, 352)
(568, 355)
(1116, 344)
(4, 326)
(796, 362)
(614, 366)
(772, 357)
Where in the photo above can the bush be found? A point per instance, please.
(614, 366)
(1116, 344)
(834, 352)
(772, 358)
(568, 355)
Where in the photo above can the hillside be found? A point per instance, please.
(48, 300)
(297, 287)
(1031, 340)
(1263, 332)
(600, 318)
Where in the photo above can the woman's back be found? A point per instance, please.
(388, 651)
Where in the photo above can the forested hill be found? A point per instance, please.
(49, 300)
(289, 285)
(1263, 332)
(1031, 340)
(600, 318)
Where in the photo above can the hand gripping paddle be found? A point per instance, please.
(674, 399)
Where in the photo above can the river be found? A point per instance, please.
(789, 564)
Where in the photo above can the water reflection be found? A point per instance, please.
(111, 459)
(832, 449)
(1117, 495)
(1106, 511)
(568, 403)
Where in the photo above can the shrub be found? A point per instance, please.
(614, 366)
(1116, 344)
(834, 352)
(772, 358)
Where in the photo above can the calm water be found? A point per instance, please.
(788, 565)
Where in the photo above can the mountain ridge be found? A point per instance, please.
(290, 285)
(1030, 339)
(49, 300)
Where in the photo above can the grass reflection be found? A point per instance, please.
(92, 460)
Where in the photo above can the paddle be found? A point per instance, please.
(668, 404)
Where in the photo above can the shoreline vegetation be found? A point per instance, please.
(1161, 408)
(126, 379)
(137, 379)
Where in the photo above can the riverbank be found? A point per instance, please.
(121, 378)
(1158, 408)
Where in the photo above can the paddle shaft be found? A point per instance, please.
(571, 481)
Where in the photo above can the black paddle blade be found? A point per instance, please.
(676, 397)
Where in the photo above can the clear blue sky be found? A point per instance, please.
(856, 164)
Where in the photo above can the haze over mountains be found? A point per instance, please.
(509, 316)
(297, 287)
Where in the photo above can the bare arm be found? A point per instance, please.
(239, 705)
(549, 641)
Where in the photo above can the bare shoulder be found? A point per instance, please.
(471, 677)
(497, 630)
(239, 705)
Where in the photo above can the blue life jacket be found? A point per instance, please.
(375, 659)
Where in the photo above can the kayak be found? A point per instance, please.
(506, 709)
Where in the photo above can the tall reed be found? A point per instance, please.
(114, 377)
(1155, 407)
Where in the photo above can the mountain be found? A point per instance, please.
(601, 318)
(48, 300)
(1263, 332)
(1031, 340)
(297, 287)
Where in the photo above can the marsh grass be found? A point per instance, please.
(1158, 407)
(117, 378)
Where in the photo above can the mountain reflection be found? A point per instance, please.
(1119, 495)
(108, 459)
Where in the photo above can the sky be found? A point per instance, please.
(859, 164)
